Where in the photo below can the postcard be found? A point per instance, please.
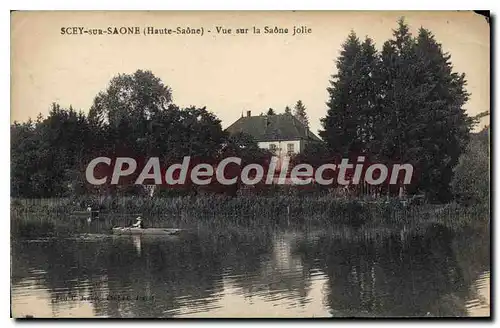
(250, 164)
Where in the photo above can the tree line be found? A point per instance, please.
(134, 117)
(401, 104)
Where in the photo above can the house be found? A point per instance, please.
(282, 134)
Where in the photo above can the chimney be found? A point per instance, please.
(249, 113)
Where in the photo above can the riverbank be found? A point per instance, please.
(249, 212)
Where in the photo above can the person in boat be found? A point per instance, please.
(138, 223)
(93, 214)
(89, 210)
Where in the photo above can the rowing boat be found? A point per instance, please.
(147, 231)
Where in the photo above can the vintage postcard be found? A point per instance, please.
(250, 164)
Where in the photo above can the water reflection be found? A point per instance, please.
(390, 278)
(435, 272)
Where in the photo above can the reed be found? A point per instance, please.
(212, 206)
(249, 211)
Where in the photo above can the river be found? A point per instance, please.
(436, 272)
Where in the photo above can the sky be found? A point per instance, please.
(229, 74)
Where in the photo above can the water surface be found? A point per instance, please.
(436, 272)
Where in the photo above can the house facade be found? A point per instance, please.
(282, 134)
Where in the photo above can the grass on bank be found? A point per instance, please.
(214, 212)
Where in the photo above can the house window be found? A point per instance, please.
(272, 148)
(290, 148)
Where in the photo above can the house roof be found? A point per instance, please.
(272, 128)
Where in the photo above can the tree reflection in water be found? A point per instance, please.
(425, 275)
(430, 273)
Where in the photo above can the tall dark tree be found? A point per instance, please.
(288, 110)
(402, 105)
(299, 111)
(422, 120)
(367, 111)
(352, 92)
(423, 101)
(396, 96)
(270, 111)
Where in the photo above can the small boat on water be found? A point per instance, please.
(147, 231)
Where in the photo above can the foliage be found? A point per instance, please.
(44, 152)
(351, 108)
(471, 182)
(131, 99)
(299, 111)
(134, 116)
(403, 104)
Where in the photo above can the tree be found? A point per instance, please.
(45, 152)
(270, 111)
(341, 124)
(129, 104)
(443, 129)
(471, 180)
(132, 117)
(243, 146)
(402, 105)
(480, 116)
(140, 95)
(396, 101)
(288, 110)
(137, 115)
(300, 113)
(423, 101)
(366, 110)
(314, 154)
(24, 146)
